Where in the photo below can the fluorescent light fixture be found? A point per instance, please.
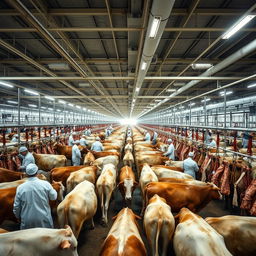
(6, 84)
(50, 108)
(32, 105)
(84, 84)
(137, 89)
(84, 109)
(58, 110)
(43, 107)
(12, 102)
(171, 90)
(179, 84)
(31, 92)
(222, 93)
(192, 104)
(201, 66)
(128, 121)
(78, 106)
(143, 65)
(89, 110)
(157, 100)
(154, 27)
(49, 98)
(62, 101)
(59, 66)
(237, 26)
(251, 86)
(207, 99)
(133, 100)
(71, 105)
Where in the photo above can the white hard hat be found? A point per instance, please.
(31, 169)
(23, 149)
(97, 138)
(191, 154)
(169, 140)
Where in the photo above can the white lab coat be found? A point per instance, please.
(170, 152)
(14, 139)
(31, 203)
(70, 140)
(190, 167)
(155, 136)
(147, 137)
(83, 142)
(212, 144)
(28, 159)
(97, 146)
(76, 155)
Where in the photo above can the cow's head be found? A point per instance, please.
(215, 191)
(60, 189)
(127, 187)
(68, 243)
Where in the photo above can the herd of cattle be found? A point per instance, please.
(170, 201)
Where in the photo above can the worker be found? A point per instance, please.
(15, 138)
(71, 139)
(76, 154)
(154, 139)
(97, 146)
(83, 141)
(31, 203)
(89, 132)
(171, 150)
(86, 132)
(147, 136)
(107, 132)
(207, 137)
(190, 166)
(245, 139)
(129, 133)
(111, 128)
(212, 143)
(27, 158)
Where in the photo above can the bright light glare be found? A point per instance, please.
(154, 27)
(128, 121)
(238, 26)
(143, 65)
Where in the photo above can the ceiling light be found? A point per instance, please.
(12, 102)
(59, 66)
(201, 66)
(49, 98)
(71, 105)
(78, 106)
(89, 110)
(50, 108)
(31, 92)
(179, 84)
(157, 100)
(171, 90)
(6, 84)
(251, 86)
(62, 101)
(222, 93)
(154, 27)
(192, 104)
(205, 100)
(137, 89)
(143, 65)
(43, 107)
(58, 110)
(237, 26)
(84, 109)
(84, 84)
(32, 105)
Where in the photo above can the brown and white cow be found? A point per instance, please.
(195, 237)
(159, 224)
(87, 173)
(127, 182)
(179, 195)
(239, 233)
(124, 237)
(47, 162)
(40, 242)
(7, 176)
(162, 172)
(89, 158)
(78, 206)
(106, 184)
(100, 162)
(172, 163)
(128, 158)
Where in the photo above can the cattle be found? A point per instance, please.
(3, 231)
(87, 173)
(128, 146)
(88, 158)
(174, 168)
(39, 242)
(159, 224)
(7, 176)
(105, 153)
(127, 182)
(47, 162)
(128, 158)
(194, 236)
(105, 186)
(146, 176)
(78, 206)
(124, 237)
(100, 162)
(167, 173)
(67, 150)
(179, 195)
(238, 233)
(172, 163)
(62, 173)
(185, 181)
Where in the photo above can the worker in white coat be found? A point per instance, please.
(76, 154)
(83, 141)
(31, 203)
(171, 150)
(27, 158)
(147, 136)
(71, 139)
(154, 139)
(190, 166)
(212, 143)
(97, 145)
(15, 138)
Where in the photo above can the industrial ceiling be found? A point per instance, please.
(90, 53)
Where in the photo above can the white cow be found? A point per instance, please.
(162, 172)
(101, 161)
(78, 206)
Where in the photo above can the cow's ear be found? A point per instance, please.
(136, 183)
(137, 217)
(53, 181)
(114, 217)
(65, 244)
(68, 231)
(120, 184)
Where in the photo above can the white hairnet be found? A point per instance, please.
(31, 169)
(23, 149)
(77, 142)
(97, 138)
(169, 140)
(191, 154)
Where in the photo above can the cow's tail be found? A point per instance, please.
(159, 226)
(66, 211)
